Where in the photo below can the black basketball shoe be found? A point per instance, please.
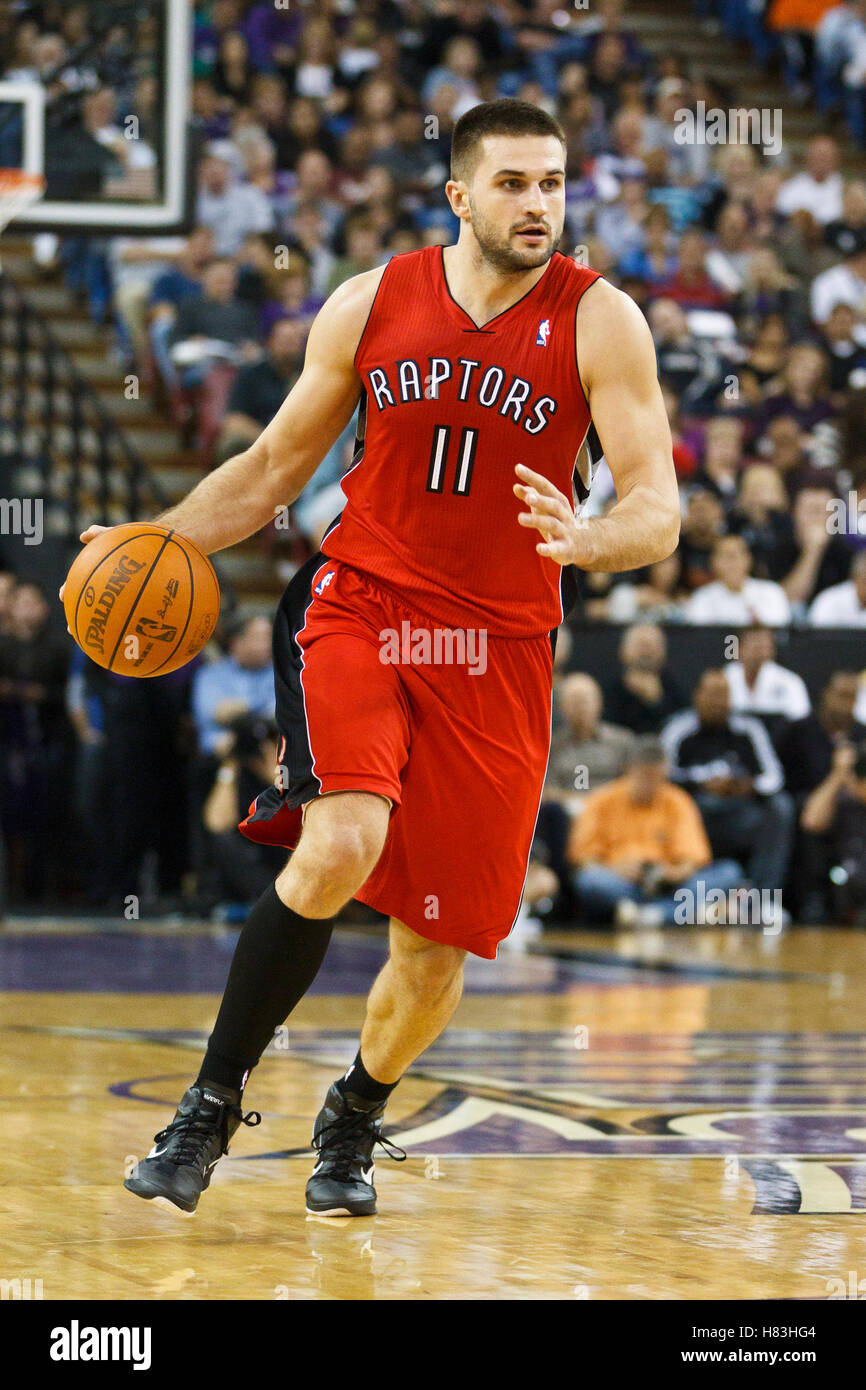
(178, 1168)
(346, 1131)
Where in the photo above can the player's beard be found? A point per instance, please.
(500, 252)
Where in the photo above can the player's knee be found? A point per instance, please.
(431, 970)
(348, 852)
(328, 868)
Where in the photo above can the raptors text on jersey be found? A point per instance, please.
(448, 410)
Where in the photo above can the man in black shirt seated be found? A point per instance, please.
(215, 325)
(260, 388)
(835, 812)
(728, 764)
(809, 752)
(643, 695)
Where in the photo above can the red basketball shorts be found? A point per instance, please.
(453, 726)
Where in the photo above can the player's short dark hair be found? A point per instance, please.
(507, 116)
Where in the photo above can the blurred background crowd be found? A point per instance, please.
(321, 146)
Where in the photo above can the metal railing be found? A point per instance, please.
(57, 439)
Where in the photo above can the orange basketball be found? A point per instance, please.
(141, 600)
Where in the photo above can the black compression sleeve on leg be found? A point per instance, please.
(277, 958)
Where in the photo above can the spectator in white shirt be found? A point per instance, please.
(842, 284)
(233, 211)
(735, 598)
(760, 686)
(843, 605)
(818, 188)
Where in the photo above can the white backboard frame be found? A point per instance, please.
(171, 211)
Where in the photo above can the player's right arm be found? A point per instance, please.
(245, 492)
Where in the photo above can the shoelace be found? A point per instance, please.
(340, 1138)
(193, 1133)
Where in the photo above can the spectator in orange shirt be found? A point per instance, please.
(638, 840)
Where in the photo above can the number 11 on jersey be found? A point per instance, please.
(439, 458)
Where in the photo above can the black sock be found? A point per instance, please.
(277, 958)
(359, 1082)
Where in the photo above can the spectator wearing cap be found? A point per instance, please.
(759, 685)
(727, 762)
(734, 597)
(807, 751)
(843, 605)
(638, 840)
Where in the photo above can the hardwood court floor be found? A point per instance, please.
(673, 1116)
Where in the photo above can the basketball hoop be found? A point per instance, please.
(18, 190)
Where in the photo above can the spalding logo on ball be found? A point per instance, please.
(141, 600)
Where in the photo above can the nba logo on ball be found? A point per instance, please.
(323, 582)
(543, 333)
(141, 600)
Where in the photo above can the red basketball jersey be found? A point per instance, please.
(448, 410)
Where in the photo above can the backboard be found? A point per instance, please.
(104, 114)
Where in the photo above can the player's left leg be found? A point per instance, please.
(411, 1002)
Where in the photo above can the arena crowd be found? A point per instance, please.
(321, 150)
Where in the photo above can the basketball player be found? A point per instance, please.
(413, 655)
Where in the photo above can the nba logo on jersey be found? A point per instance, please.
(323, 582)
(543, 333)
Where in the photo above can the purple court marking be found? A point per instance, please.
(138, 962)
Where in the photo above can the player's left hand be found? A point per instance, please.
(566, 538)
